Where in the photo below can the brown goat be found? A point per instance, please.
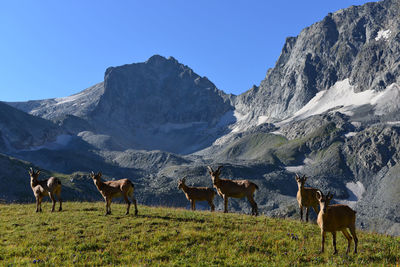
(42, 188)
(111, 189)
(234, 188)
(194, 194)
(336, 218)
(306, 197)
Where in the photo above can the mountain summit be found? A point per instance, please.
(158, 104)
(360, 43)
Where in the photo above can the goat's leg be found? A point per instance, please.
(210, 202)
(37, 204)
(135, 204)
(307, 209)
(40, 203)
(59, 199)
(348, 237)
(353, 233)
(323, 235)
(53, 200)
(127, 202)
(254, 208)
(334, 242)
(301, 213)
(108, 204)
(225, 204)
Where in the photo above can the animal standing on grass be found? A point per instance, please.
(234, 188)
(42, 188)
(112, 189)
(306, 197)
(194, 194)
(332, 218)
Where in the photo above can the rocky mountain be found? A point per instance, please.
(158, 104)
(359, 44)
(329, 109)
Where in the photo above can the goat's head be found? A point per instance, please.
(181, 183)
(324, 200)
(300, 180)
(34, 174)
(95, 176)
(214, 174)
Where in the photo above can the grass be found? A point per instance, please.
(82, 235)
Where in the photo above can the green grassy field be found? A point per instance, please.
(82, 235)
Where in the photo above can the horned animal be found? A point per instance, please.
(234, 188)
(112, 189)
(332, 218)
(41, 188)
(194, 194)
(306, 197)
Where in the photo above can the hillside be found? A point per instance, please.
(82, 235)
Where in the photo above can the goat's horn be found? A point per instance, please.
(219, 168)
(210, 169)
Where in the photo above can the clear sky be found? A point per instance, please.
(57, 48)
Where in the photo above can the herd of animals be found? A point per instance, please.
(331, 218)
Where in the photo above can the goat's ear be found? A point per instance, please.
(219, 168)
(297, 177)
(319, 195)
(92, 174)
(329, 196)
(99, 174)
(37, 172)
(183, 180)
(304, 178)
(30, 171)
(210, 169)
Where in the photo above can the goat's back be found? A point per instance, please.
(307, 197)
(337, 217)
(200, 193)
(236, 188)
(122, 185)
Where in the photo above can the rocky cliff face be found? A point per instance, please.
(158, 104)
(360, 43)
(158, 92)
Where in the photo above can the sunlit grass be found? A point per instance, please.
(82, 235)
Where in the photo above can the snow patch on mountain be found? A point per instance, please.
(299, 168)
(350, 134)
(355, 191)
(383, 34)
(342, 97)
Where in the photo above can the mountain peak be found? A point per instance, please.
(158, 59)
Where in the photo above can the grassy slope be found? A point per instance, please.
(81, 234)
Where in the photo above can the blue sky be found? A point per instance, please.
(57, 48)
